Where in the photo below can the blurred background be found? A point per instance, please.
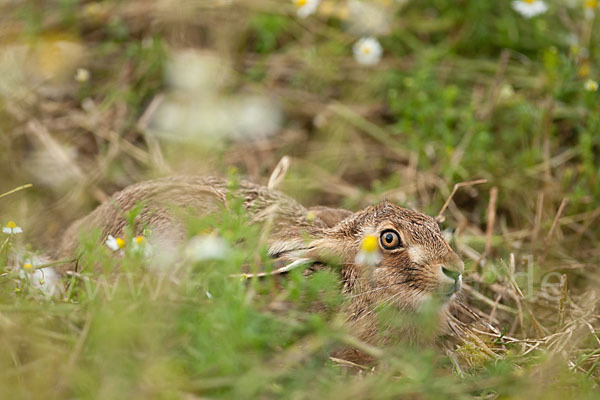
(396, 99)
(96, 95)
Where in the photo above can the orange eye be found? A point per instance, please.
(390, 239)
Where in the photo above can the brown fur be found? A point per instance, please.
(404, 277)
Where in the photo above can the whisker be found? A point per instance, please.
(390, 298)
(385, 301)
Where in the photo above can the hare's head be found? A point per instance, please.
(409, 262)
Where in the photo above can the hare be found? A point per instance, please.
(414, 261)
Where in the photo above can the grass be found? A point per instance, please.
(466, 90)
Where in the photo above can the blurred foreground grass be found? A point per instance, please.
(97, 95)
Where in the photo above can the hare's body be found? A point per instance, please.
(411, 262)
(163, 198)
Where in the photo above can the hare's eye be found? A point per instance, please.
(390, 239)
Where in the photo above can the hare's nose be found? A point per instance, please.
(453, 268)
(454, 275)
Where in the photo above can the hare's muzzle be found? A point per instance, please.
(452, 275)
(456, 278)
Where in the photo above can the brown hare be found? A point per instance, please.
(414, 263)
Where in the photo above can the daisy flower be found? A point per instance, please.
(591, 85)
(141, 245)
(367, 51)
(11, 228)
(529, 8)
(114, 243)
(589, 8)
(304, 8)
(44, 279)
(139, 241)
(369, 253)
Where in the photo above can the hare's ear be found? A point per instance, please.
(293, 253)
(331, 216)
(292, 248)
(287, 255)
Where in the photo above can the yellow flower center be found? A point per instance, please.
(366, 49)
(300, 3)
(369, 244)
(530, 1)
(120, 242)
(11, 224)
(591, 3)
(140, 239)
(27, 266)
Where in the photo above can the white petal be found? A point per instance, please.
(112, 244)
(17, 230)
(143, 247)
(309, 8)
(209, 247)
(368, 258)
(529, 10)
(6, 230)
(46, 280)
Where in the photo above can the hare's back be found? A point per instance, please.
(166, 201)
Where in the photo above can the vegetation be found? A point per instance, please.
(96, 95)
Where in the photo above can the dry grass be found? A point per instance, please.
(492, 134)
